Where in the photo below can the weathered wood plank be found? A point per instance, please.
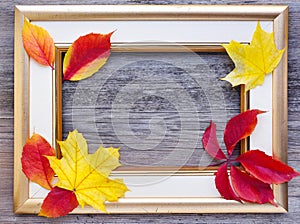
(155, 106)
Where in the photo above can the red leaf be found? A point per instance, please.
(86, 56)
(59, 202)
(223, 184)
(210, 142)
(265, 168)
(239, 127)
(251, 189)
(38, 44)
(34, 163)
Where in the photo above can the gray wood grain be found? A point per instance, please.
(6, 126)
(155, 106)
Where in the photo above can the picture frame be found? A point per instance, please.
(41, 114)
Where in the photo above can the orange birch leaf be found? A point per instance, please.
(34, 163)
(86, 56)
(38, 44)
(59, 202)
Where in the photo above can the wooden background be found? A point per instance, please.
(153, 106)
(6, 127)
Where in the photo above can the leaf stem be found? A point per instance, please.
(218, 163)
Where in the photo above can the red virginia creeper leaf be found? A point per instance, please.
(59, 202)
(38, 44)
(34, 163)
(210, 142)
(223, 184)
(239, 127)
(86, 56)
(265, 168)
(251, 189)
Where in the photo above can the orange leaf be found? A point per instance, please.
(38, 44)
(59, 202)
(34, 163)
(86, 56)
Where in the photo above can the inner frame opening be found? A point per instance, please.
(151, 75)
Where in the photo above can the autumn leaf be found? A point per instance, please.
(59, 202)
(261, 170)
(104, 160)
(38, 44)
(34, 163)
(265, 168)
(223, 184)
(210, 142)
(86, 56)
(253, 61)
(82, 174)
(251, 189)
(240, 127)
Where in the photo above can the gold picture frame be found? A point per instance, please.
(278, 15)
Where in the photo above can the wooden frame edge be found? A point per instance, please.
(133, 206)
(280, 103)
(21, 112)
(152, 12)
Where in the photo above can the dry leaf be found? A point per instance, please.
(86, 56)
(240, 127)
(59, 202)
(251, 189)
(211, 144)
(38, 44)
(254, 61)
(83, 174)
(265, 168)
(223, 185)
(252, 185)
(34, 163)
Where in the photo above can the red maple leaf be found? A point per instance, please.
(251, 180)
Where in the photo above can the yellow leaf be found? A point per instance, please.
(254, 61)
(87, 174)
(104, 160)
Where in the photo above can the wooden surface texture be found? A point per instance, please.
(153, 106)
(6, 121)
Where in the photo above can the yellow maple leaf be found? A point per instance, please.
(253, 61)
(87, 174)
